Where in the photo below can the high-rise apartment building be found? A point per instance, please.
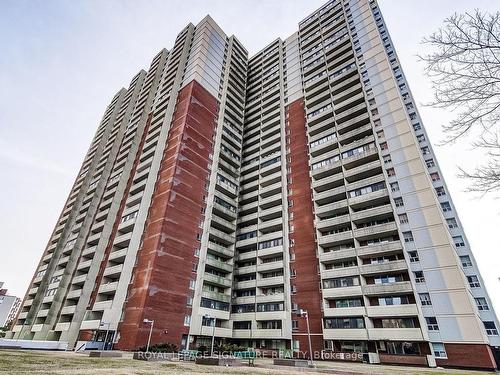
(229, 196)
(9, 305)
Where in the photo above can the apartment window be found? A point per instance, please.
(430, 163)
(473, 281)
(432, 324)
(439, 350)
(387, 159)
(295, 325)
(440, 191)
(465, 260)
(408, 236)
(192, 284)
(452, 223)
(419, 277)
(420, 138)
(387, 279)
(340, 282)
(393, 301)
(344, 323)
(425, 150)
(187, 320)
(425, 299)
(40, 273)
(353, 302)
(435, 176)
(482, 304)
(403, 218)
(383, 146)
(391, 172)
(491, 329)
(458, 241)
(377, 122)
(398, 202)
(398, 323)
(394, 186)
(55, 279)
(371, 102)
(445, 206)
(417, 126)
(380, 134)
(413, 256)
(50, 292)
(189, 301)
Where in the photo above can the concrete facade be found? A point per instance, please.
(228, 196)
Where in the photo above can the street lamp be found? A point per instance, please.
(152, 322)
(304, 313)
(213, 333)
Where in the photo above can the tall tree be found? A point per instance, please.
(464, 66)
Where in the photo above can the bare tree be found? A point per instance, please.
(464, 66)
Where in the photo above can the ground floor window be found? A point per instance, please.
(439, 350)
(403, 348)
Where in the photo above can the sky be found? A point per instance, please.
(62, 61)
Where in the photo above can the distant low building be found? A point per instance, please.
(8, 307)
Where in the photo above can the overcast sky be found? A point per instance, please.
(62, 61)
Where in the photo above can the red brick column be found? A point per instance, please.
(307, 279)
(160, 286)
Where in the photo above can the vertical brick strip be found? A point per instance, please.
(307, 280)
(160, 286)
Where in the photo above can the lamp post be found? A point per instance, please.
(152, 322)
(306, 315)
(213, 333)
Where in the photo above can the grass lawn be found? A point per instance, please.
(38, 362)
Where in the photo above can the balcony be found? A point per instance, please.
(268, 334)
(68, 310)
(216, 296)
(339, 272)
(90, 324)
(221, 236)
(270, 281)
(84, 265)
(342, 292)
(118, 255)
(108, 287)
(217, 280)
(224, 251)
(337, 254)
(375, 268)
(270, 266)
(394, 288)
(375, 230)
(219, 265)
(102, 305)
(328, 224)
(62, 326)
(330, 209)
(379, 248)
(392, 310)
(335, 239)
(345, 334)
(382, 210)
(344, 311)
(219, 332)
(74, 294)
(398, 334)
(113, 270)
